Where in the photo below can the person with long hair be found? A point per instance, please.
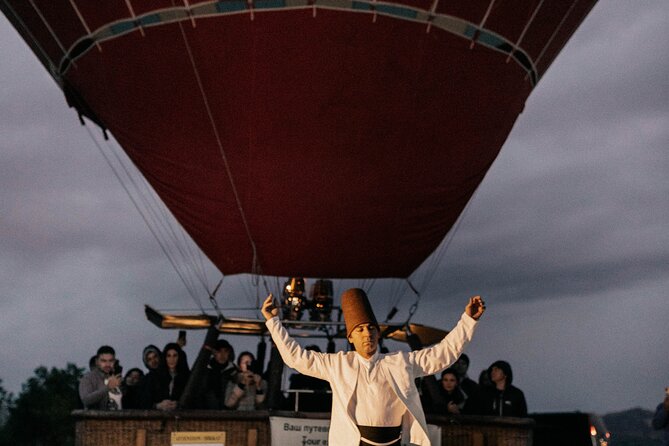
(455, 399)
(167, 385)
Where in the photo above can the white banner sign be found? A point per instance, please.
(299, 431)
(308, 432)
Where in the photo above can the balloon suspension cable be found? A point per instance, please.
(163, 226)
(267, 291)
(214, 302)
(414, 307)
(144, 217)
(431, 265)
(34, 43)
(391, 314)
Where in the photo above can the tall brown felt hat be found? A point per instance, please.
(357, 309)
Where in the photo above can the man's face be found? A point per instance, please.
(365, 339)
(152, 360)
(497, 375)
(106, 362)
(222, 355)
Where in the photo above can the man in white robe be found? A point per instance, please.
(373, 394)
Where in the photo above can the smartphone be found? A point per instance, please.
(182, 337)
(118, 369)
(256, 367)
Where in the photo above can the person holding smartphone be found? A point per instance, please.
(661, 417)
(101, 387)
(250, 390)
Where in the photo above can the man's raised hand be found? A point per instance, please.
(475, 308)
(269, 310)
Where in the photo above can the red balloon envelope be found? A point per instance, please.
(320, 138)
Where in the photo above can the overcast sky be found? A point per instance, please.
(567, 238)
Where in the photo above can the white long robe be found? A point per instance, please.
(399, 368)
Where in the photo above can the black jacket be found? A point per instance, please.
(509, 402)
(218, 377)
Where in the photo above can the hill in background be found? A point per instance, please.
(632, 428)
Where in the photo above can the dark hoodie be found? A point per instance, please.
(149, 380)
(147, 350)
(219, 377)
(509, 402)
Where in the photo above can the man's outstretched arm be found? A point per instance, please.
(429, 361)
(304, 361)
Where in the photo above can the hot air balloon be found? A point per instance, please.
(317, 138)
(303, 138)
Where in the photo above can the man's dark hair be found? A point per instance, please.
(464, 357)
(504, 367)
(106, 350)
(222, 343)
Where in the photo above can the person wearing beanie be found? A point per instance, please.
(374, 398)
(222, 374)
(502, 398)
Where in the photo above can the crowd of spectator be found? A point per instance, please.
(494, 394)
(237, 383)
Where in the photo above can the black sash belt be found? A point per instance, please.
(371, 435)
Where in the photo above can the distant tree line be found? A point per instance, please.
(40, 414)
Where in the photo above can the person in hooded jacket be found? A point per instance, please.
(151, 358)
(164, 387)
(502, 398)
(222, 374)
(132, 389)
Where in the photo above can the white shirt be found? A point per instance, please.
(372, 392)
